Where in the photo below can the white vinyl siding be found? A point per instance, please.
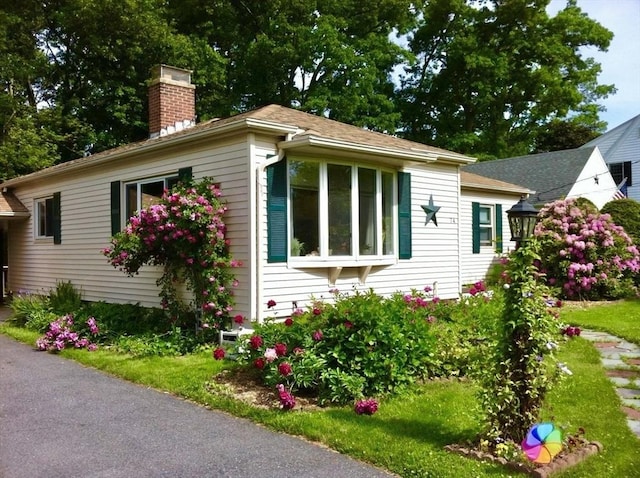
(474, 266)
(86, 227)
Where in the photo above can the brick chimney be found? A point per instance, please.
(172, 104)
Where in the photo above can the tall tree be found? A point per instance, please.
(560, 135)
(489, 74)
(79, 69)
(324, 56)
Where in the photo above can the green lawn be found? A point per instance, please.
(620, 318)
(408, 433)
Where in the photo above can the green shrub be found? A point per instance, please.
(24, 304)
(171, 343)
(361, 345)
(625, 213)
(39, 320)
(65, 299)
(585, 255)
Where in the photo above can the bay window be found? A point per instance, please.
(340, 211)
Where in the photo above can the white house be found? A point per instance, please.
(620, 149)
(573, 173)
(313, 204)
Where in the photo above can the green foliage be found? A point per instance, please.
(559, 135)
(519, 369)
(185, 234)
(472, 89)
(65, 299)
(25, 304)
(172, 343)
(625, 213)
(360, 345)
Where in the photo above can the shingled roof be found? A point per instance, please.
(298, 125)
(551, 175)
(10, 206)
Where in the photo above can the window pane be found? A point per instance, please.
(485, 215)
(42, 218)
(339, 192)
(387, 213)
(367, 211)
(304, 182)
(151, 193)
(131, 198)
(485, 236)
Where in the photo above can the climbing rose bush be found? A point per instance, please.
(186, 235)
(585, 254)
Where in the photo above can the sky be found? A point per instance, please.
(621, 63)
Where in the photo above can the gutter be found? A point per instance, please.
(260, 190)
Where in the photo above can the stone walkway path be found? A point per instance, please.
(621, 359)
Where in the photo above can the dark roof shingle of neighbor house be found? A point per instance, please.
(551, 175)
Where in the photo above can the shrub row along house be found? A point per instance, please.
(313, 204)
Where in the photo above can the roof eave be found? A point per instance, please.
(311, 143)
(246, 124)
(485, 187)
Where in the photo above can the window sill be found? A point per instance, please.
(335, 266)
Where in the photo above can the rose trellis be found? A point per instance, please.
(185, 234)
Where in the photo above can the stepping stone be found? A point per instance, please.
(629, 393)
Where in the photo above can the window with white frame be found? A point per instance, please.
(485, 225)
(144, 193)
(340, 210)
(44, 217)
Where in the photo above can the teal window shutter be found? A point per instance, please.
(115, 207)
(57, 219)
(277, 212)
(404, 215)
(498, 208)
(475, 225)
(185, 174)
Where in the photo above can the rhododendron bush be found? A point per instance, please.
(585, 254)
(186, 235)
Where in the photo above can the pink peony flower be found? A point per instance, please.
(287, 401)
(238, 319)
(317, 335)
(272, 303)
(270, 355)
(288, 321)
(259, 363)
(218, 353)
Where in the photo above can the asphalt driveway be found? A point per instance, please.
(61, 419)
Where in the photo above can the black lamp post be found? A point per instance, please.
(522, 220)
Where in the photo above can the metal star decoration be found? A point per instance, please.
(430, 210)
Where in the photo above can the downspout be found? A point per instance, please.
(260, 187)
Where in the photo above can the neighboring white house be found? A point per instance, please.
(572, 173)
(353, 198)
(620, 149)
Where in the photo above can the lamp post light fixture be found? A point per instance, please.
(522, 221)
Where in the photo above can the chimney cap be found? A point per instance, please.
(170, 74)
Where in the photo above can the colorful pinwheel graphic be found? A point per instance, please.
(542, 443)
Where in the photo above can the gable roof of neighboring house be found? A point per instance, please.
(300, 131)
(10, 206)
(551, 175)
(614, 145)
